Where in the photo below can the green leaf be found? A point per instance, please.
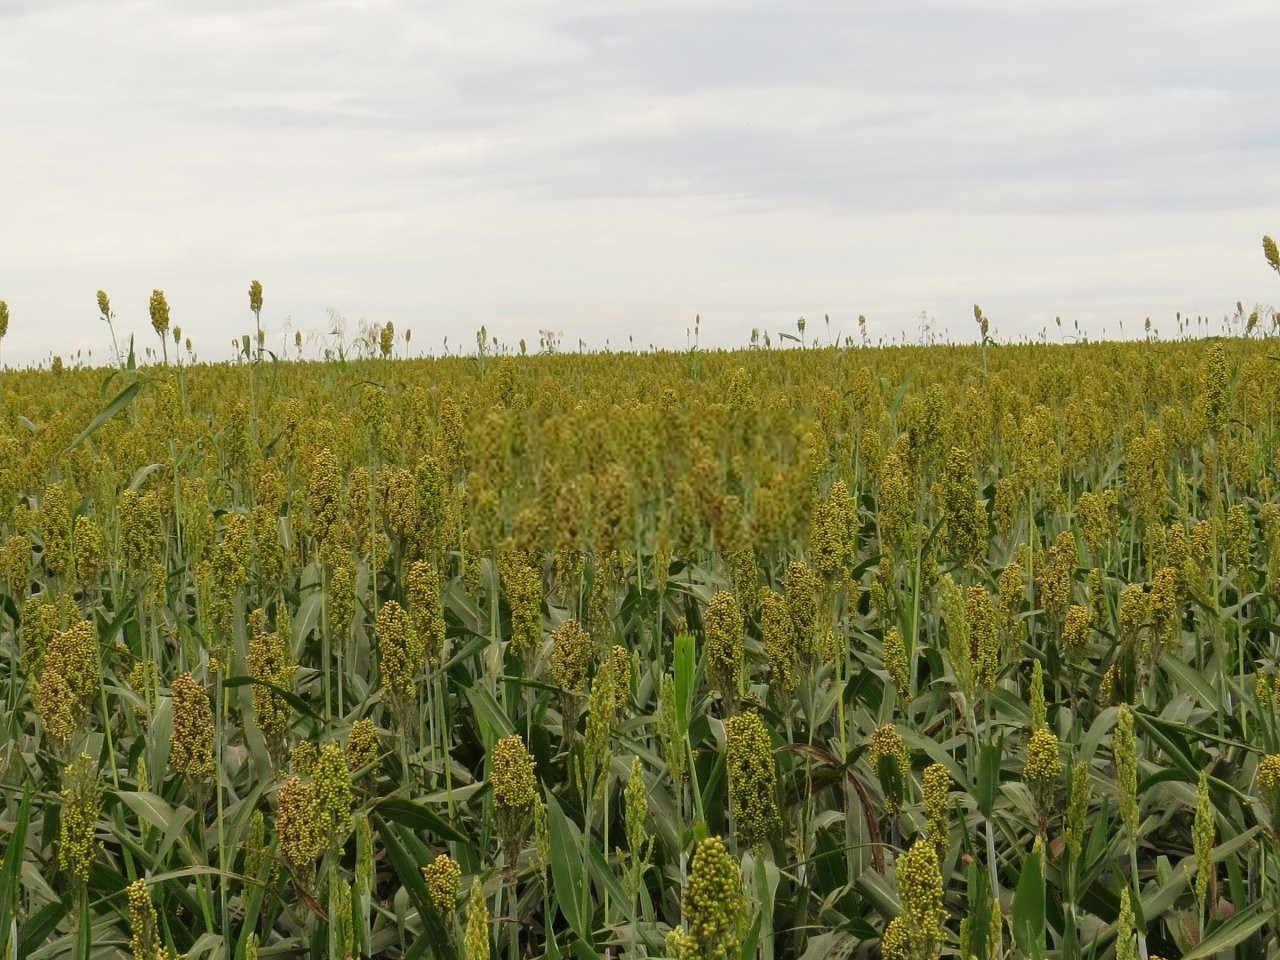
(409, 872)
(1186, 677)
(878, 890)
(567, 869)
(158, 733)
(153, 810)
(685, 669)
(604, 876)
(11, 871)
(208, 944)
(764, 883)
(978, 895)
(1157, 902)
(179, 874)
(752, 939)
(990, 756)
(890, 779)
(118, 403)
(252, 898)
(291, 698)
(1235, 931)
(39, 925)
(1028, 907)
(492, 718)
(1175, 752)
(418, 816)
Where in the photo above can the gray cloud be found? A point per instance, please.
(610, 168)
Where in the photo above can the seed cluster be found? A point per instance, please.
(752, 778)
(69, 679)
(443, 876)
(191, 743)
(80, 808)
(713, 905)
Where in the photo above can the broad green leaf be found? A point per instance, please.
(988, 776)
(39, 925)
(153, 810)
(207, 945)
(1029, 907)
(84, 931)
(567, 869)
(1186, 677)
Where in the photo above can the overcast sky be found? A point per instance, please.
(612, 167)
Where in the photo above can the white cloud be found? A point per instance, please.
(609, 169)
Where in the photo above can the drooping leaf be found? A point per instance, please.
(117, 403)
(418, 816)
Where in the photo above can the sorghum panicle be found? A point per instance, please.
(571, 651)
(423, 590)
(714, 905)
(401, 656)
(1203, 834)
(78, 820)
(144, 941)
(299, 822)
(269, 660)
(1078, 808)
(753, 778)
(895, 661)
(333, 789)
(920, 893)
(1124, 750)
(191, 742)
(888, 757)
(443, 876)
(779, 641)
(937, 804)
(475, 943)
(69, 679)
(723, 630)
(362, 744)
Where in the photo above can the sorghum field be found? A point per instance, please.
(844, 652)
